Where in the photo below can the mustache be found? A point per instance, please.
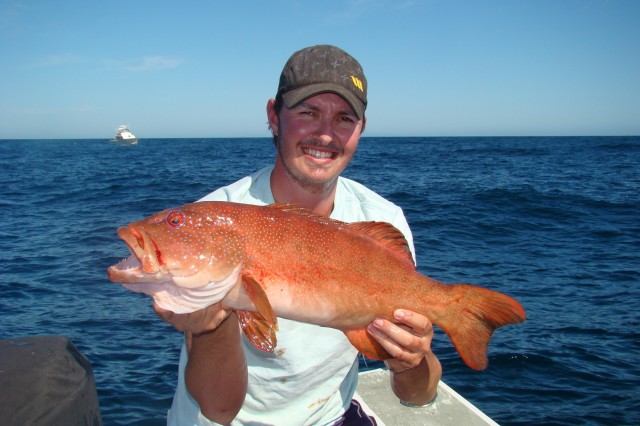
(314, 143)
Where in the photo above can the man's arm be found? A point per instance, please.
(415, 370)
(216, 371)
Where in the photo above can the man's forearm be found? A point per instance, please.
(418, 385)
(216, 373)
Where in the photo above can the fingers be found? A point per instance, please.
(195, 322)
(407, 340)
(165, 315)
(418, 324)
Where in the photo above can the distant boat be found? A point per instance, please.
(124, 136)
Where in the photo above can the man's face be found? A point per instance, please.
(316, 140)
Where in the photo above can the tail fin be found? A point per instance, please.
(473, 316)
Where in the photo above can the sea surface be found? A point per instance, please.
(554, 222)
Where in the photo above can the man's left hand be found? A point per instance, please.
(408, 340)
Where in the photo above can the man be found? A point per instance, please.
(316, 119)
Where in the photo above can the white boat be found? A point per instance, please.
(124, 136)
(448, 409)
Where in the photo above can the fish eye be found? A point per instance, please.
(175, 219)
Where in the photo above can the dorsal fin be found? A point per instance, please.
(295, 208)
(387, 235)
(383, 232)
(289, 207)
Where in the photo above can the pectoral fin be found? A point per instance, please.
(260, 327)
(366, 344)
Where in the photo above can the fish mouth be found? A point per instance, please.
(145, 263)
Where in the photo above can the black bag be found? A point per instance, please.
(45, 380)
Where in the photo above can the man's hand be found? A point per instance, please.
(407, 341)
(415, 369)
(197, 322)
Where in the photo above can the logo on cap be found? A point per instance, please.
(356, 82)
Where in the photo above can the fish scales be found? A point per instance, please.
(282, 261)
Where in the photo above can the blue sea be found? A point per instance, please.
(552, 221)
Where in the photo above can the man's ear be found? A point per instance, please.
(272, 116)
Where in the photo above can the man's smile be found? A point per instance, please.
(316, 153)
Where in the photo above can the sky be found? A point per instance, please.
(206, 68)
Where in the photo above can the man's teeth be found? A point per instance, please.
(318, 154)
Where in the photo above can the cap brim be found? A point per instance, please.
(295, 96)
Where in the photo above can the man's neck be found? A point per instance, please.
(285, 191)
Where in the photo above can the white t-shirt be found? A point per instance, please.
(311, 376)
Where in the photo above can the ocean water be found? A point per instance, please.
(554, 222)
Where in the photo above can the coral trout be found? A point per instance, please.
(282, 261)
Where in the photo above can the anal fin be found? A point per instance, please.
(366, 344)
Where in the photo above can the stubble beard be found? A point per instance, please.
(309, 184)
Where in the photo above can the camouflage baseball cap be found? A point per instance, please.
(321, 69)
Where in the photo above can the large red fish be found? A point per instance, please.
(303, 267)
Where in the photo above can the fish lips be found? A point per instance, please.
(143, 247)
(144, 265)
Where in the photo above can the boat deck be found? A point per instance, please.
(448, 409)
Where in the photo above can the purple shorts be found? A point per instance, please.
(355, 416)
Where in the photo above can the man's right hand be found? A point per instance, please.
(196, 322)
